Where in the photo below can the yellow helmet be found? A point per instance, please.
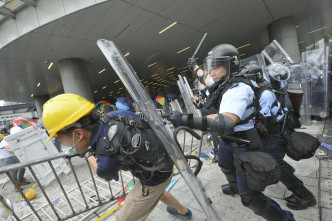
(64, 110)
(30, 194)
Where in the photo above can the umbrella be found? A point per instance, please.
(123, 103)
(161, 100)
(100, 105)
(24, 122)
(127, 189)
(171, 95)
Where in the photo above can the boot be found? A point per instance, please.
(301, 198)
(230, 188)
(263, 207)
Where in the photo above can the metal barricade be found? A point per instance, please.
(58, 203)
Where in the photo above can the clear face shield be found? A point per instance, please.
(279, 74)
(218, 68)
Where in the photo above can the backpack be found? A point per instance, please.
(134, 144)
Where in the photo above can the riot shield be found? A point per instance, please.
(318, 69)
(299, 81)
(132, 83)
(275, 53)
(259, 60)
(187, 95)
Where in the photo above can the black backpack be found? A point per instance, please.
(258, 169)
(134, 144)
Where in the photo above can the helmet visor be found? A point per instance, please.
(217, 66)
(278, 71)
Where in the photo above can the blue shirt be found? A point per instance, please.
(107, 166)
(266, 102)
(235, 101)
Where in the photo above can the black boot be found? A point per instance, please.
(262, 207)
(230, 188)
(301, 198)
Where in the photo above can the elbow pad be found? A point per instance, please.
(222, 125)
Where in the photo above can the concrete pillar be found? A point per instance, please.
(39, 102)
(284, 31)
(74, 76)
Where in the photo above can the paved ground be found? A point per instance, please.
(316, 174)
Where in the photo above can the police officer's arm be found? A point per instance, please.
(202, 77)
(220, 124)
(230, 115)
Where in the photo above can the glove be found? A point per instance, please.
(222, 125)
(176, 118)
(192, 64)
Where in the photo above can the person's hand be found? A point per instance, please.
(192, 64)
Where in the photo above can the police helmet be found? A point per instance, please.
(254, 72)
(279, 74)
(223, 55)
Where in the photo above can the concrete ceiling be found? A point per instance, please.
(134, 26)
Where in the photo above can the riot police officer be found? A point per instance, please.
(233, 100)
(274, 143)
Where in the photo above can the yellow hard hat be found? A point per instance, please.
(64, 110)
(30, 194)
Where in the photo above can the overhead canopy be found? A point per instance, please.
(134, 26)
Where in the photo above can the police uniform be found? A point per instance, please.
(233, 94)
(235, 101)
(274, 145)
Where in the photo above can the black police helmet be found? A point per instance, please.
(224, 50)
(254, 72)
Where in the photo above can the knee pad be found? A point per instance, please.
(229, 174)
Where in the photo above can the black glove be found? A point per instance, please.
(192, 64)
(222, 125)
(176, 118)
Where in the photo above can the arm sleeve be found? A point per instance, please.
(265, 104)
(236, 100)
(108, 167)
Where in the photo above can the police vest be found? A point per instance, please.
(134, 144)
(217, 91)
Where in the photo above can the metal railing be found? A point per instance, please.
(84, 197)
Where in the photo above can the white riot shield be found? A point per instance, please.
(275, 53)
(299, 81)
(318, 72)
(187, 96)
(259, 60)
(132, 83)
